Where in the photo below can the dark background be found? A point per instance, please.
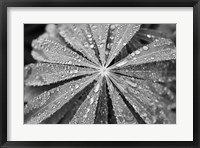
(31, 31)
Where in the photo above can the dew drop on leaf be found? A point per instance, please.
(133, 54)
(77, 55)
(91, 100)
(148, 35)
(91, 46)
(97, 88)
(145, 48)
(121, 63)
(76, 86)
(137, 52)
(112, 27)
(86, 44)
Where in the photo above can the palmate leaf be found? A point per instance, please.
(149, 35)
(100, 33)
(162, 71)
(44, 105)
(122, 112)
(121, 34)
(159, 50)
(80, 37)
(65, 114)
(86, 113)
(46, 73)
(101, 74)
(46, 50)
(146, 102)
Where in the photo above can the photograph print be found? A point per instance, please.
(99, 73)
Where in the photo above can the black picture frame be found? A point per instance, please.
(98, 3)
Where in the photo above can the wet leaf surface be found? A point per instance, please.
(101, 74)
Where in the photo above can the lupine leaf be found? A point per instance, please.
(149, 35)
(46, 73)
(162, 71)
(65, 114)
(102, 111)
(46, 50)
(100, 33)
(159, 50)
(140, 95)
(101, 74)
(80, 37)
(86, 112)
(122, 112)
(122, 33)
(134, 44)
(47, 103)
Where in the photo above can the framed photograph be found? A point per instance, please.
(99, 73)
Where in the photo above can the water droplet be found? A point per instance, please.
(86, 44)
(94, 27)
(131, 83)
(137, 52)
(134, 58)
(132, 78)
(111, 37)
(27, 68)
(104, 41)
(145, 48)
(75, 71)
(148, 35)
(112, 27)
(101, 45)
(91, 100)
(119, 42)
(121, 63)
(133, 54)
(57, 88)
(80, 35)
(124, 44)
(76, 86)
(108, 45)
(88, 110)
(144, 115)
(91, 46)
(37, 77)
(64, 49)
(89, 35)
(96, 88)
(75, 28)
